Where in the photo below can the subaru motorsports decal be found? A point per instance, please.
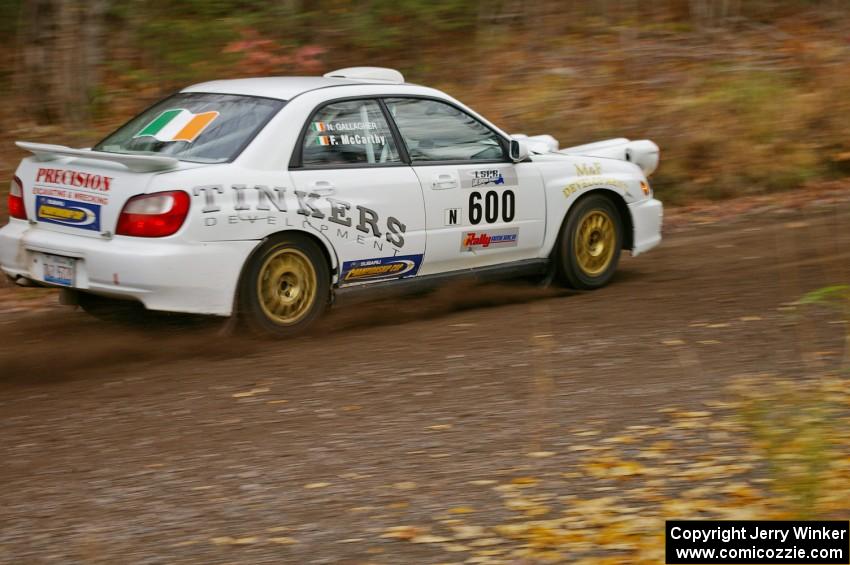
(83, 215)
(382, 268)
(490, 239)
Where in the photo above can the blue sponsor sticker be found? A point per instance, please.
(83, 215)
(381, 268)
(488, 176)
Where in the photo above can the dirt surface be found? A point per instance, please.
(180, 445)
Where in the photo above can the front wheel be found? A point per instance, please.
(590, 242)
(285, 287)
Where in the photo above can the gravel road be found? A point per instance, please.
(179, 445)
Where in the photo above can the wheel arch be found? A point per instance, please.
(622, 208)
(327, 251)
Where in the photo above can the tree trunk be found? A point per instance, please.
(60, 57)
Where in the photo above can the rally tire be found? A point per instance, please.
(589, 245)
(285, 286)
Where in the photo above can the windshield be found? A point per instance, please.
(193, 126)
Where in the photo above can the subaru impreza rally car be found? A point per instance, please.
(265, 197)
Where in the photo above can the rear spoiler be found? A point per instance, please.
(136, 163)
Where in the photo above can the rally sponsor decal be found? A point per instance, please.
(83, 215)
(381, 268)
(178, 125)
(75, 195)
(588, 169)
(490, 176)
(79, 179)
(341, 220)
(595, 182)
(495, 177)
(490, 239)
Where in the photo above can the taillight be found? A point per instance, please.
(153, 215)
(16, 200)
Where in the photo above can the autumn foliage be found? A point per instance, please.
(743, 97)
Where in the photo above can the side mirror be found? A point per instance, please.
(519, 150)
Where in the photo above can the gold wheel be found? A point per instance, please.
(286, 286)
(594, 242)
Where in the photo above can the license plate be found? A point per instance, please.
(59, 270)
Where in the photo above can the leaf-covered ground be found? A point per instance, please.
(780, 451)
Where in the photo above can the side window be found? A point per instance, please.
(436, 131)
(348, 133)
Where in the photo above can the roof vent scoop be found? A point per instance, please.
(381, 74)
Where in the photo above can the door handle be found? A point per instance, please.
(444, 181)
(322, 188)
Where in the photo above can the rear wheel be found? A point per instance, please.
(589, 244)
(285, 287)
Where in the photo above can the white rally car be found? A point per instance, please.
(265, 197)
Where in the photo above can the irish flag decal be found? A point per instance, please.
(178, 125)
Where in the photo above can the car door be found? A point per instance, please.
(481, 209)
(353, 187)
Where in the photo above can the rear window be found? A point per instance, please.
(192, 126)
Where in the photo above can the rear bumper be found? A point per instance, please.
(647, 217)
(163, 274)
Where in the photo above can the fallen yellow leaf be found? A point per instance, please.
(486, 542)
(427, 538)
(468, 532)
(456, 547)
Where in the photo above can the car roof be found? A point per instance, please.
(284, 88)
